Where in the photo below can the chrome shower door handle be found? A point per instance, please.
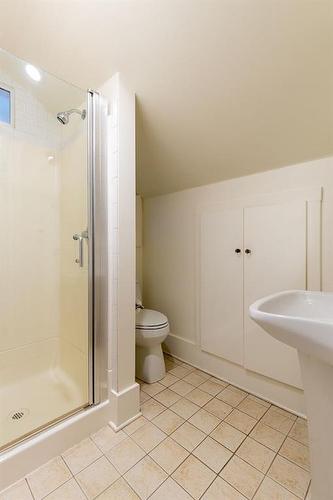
(79, 260)
(80, 238)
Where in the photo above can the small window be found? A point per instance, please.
(5, 105)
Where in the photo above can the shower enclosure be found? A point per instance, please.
(48, 149)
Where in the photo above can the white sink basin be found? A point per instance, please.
(299, 318)
(304, 320)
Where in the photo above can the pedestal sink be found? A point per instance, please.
(304, 320)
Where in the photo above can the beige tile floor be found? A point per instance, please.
(198, 437)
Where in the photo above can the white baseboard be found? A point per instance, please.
(125, 406)
(129, 421)
(285, 396)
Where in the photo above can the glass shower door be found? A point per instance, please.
(44, 251)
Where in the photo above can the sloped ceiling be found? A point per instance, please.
(224, 87)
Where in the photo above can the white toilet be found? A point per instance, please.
(152, 328)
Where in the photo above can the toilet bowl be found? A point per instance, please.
(152, 328)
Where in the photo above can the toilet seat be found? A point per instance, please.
(147, 319)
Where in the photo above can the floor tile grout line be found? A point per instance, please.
(282, 486)
(187, 451)
(216, 473)
(259, 420)
(122, 474)
(147, 454)
(252, 464)
(68, 480)
(136, 463)
(278, 454)
(168, 474)
(57, 456)
(77, 482)
(78, 472)
(268, 425)
(208, 435)
(87, 466)
(234, 487)
(92, 463)
(255, 439)
(183, 487)
(124, 478)
(308, 489)
(170, 477)
(201, 496)
(291, 461)
(105, 489)
(27, 482)
(190, 453)
(234, 453)
(285, 487)
(234, 427)
(298, 441)
(262, 480)
(199, 427)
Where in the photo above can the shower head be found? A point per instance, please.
(63, 116)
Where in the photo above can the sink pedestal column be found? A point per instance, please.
(318, 389)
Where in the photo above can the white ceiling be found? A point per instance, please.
(224, 87)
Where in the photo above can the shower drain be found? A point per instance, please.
(19, 414)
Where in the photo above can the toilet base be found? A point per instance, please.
(150, 366)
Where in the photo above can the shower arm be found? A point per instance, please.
(70, 111)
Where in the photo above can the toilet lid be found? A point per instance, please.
(147, 318)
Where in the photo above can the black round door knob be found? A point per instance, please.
(247, 250)
(238, 250)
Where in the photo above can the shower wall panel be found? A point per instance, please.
(29, 221)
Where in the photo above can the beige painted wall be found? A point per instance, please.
(169, 239)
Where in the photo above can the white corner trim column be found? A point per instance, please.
(124, 393)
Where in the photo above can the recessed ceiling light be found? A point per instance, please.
(33, 72)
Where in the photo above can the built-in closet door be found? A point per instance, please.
(275, 243)
(221, 283)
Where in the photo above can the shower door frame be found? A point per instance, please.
(97, 107)
(97, 314)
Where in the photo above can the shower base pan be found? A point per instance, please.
(40, 384)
